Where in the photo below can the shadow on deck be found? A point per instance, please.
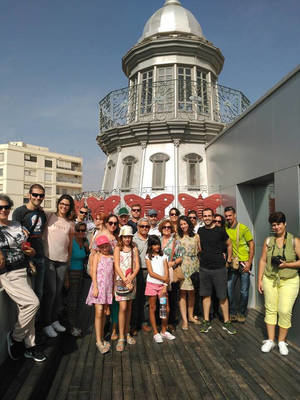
(194, 366)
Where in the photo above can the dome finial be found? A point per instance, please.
(167, 2)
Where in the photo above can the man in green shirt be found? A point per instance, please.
(243, 249)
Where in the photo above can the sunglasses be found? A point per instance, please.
(83, 212)
(166, 227)
(5, 207)
(112, 223)
(41, 196)
(173, 215)
(81, 230)
(64, 204)
(136, 210)
(217, 221)
(192, 217)
(145, 226)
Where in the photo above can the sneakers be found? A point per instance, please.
(58, 327)
(76, 332)
(35, 354)
(50, 331)
(205, 326)
(283, 350)
(158, 338)
(241, 318)
(167, 335)
(268, 345)
(15, 349)
(229, 328)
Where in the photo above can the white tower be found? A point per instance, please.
(154, 131)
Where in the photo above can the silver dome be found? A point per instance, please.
(172, 17)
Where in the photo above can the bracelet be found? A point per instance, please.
(165, 284)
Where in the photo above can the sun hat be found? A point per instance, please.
(123, 211)
(101, 240)
(152, 212)
(126, 230)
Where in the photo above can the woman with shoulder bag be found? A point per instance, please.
(14, 279)
(278, 280)
(171, 248)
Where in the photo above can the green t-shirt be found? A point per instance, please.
(244, 237)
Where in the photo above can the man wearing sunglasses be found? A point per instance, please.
(83, 216)
(140, 238)
(136, 210)
(33, 218)
(192, 216)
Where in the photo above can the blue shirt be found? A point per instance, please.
(78, 256)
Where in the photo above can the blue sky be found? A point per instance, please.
(59, 58)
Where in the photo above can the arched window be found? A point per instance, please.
(159, 170)
(193, 161)
(109, 175)
(128, 165)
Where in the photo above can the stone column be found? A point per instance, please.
(176, 168)
(144, 146)
(118, 168)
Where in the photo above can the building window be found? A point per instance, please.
(30, 172)
(202, 99)
(1, 187)
(164, 95)
(1, 172)
(184, 89)
(48, 163)
(63, 164)
(47, 203)
(147, 91)
(159, 170)
(128, 163)
(25, 200)
(193, 161)
(30, 157)
(1, 157)
(27, 187)
(48, 177)
(48, 190)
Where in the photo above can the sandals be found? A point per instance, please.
(103, 347)
(120, 345)
(185, 327)
(195, 321)
(114, 336)
(130, 339)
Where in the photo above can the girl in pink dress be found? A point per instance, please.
(101, 290)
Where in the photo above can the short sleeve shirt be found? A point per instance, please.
(157, 264)
(245, 236)
(213, 243)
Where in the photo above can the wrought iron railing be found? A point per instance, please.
(181, 99)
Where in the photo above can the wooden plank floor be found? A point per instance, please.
(194, 366)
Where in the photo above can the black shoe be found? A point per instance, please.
(35, 354)
(15, 349)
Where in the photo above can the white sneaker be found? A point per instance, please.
(58, 327)
(167, 335)
(157, 338)
(283, 350)
(50, 332)
(267, 346)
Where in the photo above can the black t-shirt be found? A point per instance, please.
(133, 226)
(27, 218)
(213, 243)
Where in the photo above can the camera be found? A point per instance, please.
(277, 260)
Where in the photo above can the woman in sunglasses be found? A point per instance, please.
(14, 280)
(174, 214)
(171, 248)
(58, 238)
(80, 251)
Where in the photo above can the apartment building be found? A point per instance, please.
(23, 164)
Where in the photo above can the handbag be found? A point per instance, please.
(175, 274)
(235, 260)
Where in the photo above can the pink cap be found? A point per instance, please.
(102, 240)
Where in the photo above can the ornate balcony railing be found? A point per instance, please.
(170, 100)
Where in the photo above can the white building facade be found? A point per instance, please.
(22, 165)
(154, 131)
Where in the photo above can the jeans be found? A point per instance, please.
(38, 280)
(54, 282)
(233, 276)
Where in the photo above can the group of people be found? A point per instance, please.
(142, 271)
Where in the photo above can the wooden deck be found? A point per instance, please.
(194, 366)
